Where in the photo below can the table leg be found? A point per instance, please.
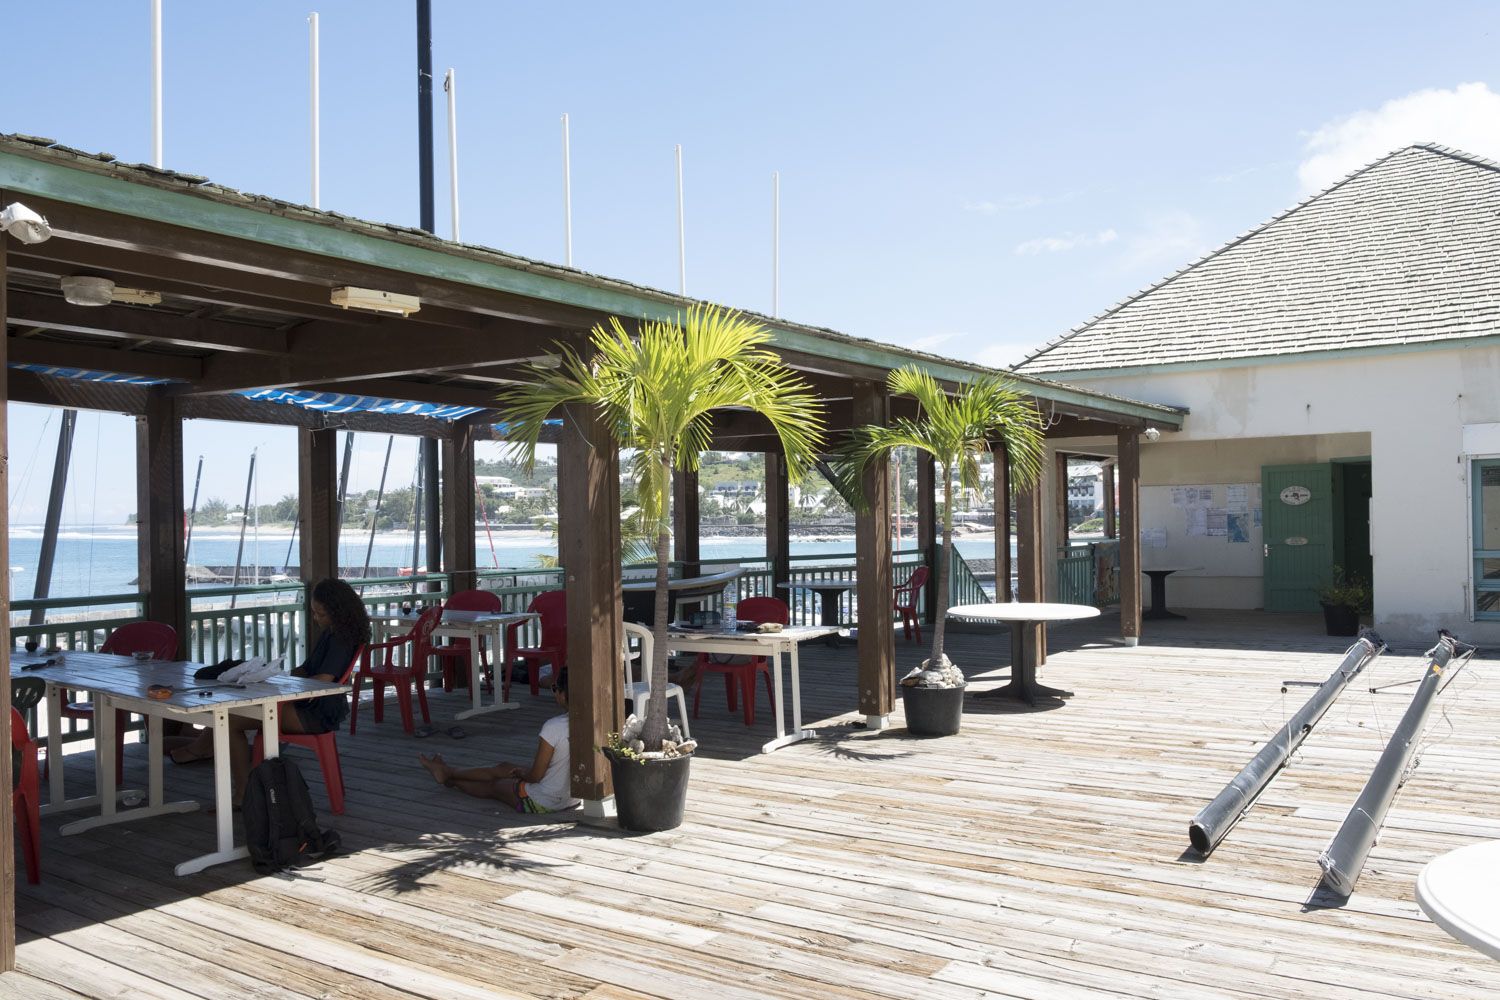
(224, 798)
(104, 754)
(104, 760)
(270, 730)
(54, 748)
(476, 677)
(797, 734)
(1023, 685)
(153, 761)
(1158, 609)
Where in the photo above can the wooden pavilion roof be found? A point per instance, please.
(245, 285)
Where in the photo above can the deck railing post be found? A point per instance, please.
(778, 522)
(317, 471)
(1129, 498)
(458, 509)
(874, 577)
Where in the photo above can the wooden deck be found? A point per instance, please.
(1040, 853)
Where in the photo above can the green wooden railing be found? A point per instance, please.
(963, 586)
(1089, 573)
(263, 619)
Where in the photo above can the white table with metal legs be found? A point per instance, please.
(471, 625)
(121, 682)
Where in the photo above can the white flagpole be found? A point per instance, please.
(775, 244)
(567, 196)
(312, 42)
(451, 86)
(681, 231)
(156, 83)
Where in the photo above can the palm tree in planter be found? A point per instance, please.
(955, 430)
(657, 391)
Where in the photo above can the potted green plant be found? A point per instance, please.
(657, 389)
(1345, 598)
(955, 429)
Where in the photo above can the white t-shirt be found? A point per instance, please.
(552, 791)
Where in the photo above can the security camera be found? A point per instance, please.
(24, 224)
(1151, 433)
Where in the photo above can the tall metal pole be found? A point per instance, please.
(54, 512)
(1216, 819)
(567, 195)
(338, 521)
(379, 496)
(429, 446)
(239, 553)
(1346, 853)
(775, 243)
(416, 523)
(312, 44)
(187, 547)
(156, 83)
(681, 230)
(450, 87)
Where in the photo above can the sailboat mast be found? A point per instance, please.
(239, 553)
(379, 496)
(187, 547)
(54, 512)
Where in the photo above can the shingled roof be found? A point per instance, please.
(1404, 251)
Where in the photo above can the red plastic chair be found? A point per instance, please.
(26, 797)
(552, 605)
(454, 656)
(742, 672)
(322, 744)
(906, 602)
(156, 638)
(402, 675)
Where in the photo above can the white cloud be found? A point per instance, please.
(931, 341)
(1169, 240)
(1064, 243)
(1466, 117)
(1011, 203)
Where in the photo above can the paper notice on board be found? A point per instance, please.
(1256, 514)
(1239, 529)
(1153, 538)
(1197, 522)
(1237, 493)
(1216, 520)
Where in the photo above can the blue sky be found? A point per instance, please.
(968, 178)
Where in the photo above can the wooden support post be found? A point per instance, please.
(317, 481)
(1062, 503)
(458, 510)
(778, 523)
(432, 508)
(588, 485)
(874, 580)
(1107, 474)
(928, 536)
(1029, 572)
(161, 536)
(1003, 565)
(686, 523)
(7, 810)
(1130, 536)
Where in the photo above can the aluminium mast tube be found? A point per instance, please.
(1345, 855)
(1216, 819)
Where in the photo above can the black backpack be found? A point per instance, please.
(281, 830)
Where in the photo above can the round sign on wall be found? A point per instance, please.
(1296, 496)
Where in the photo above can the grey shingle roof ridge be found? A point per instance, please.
(1250, 233)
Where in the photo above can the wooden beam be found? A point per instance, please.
(928, 536)
(778, 523)
(1130, 536)
(1002, 522)
(1060, 499)
(459, 557)
(7, 809)
(1029, 573)
(143, 323)
(687, 526)
(160, 532)
(1107, 474)
(104, 359)
(318, 487)
(589, 548)
(874, 582)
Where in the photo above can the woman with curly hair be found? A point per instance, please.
(344, 626)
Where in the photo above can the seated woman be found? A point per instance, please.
(345, 626)
(543, 787)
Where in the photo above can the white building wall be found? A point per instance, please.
(1413, 407)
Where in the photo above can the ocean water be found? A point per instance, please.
(92, 561)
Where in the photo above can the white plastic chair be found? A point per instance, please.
(639, 692)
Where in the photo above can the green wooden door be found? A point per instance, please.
(1297, 511)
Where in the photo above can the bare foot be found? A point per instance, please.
(436, 766)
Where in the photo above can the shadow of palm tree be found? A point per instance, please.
(444, 852)
(835, 742)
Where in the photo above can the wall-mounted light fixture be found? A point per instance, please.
(375, 300)
(1151, 433)
(24, 224)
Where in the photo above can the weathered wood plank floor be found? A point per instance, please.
(1040, 853)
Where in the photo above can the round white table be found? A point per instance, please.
(1021, 617)
(1460, 891)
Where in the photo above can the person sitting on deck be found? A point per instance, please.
(540, 788)
(345, 624)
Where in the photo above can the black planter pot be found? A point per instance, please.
(649, 795)
(933, 711)
(1341, 619)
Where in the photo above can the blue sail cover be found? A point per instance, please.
(341, 402)
(86, 375)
